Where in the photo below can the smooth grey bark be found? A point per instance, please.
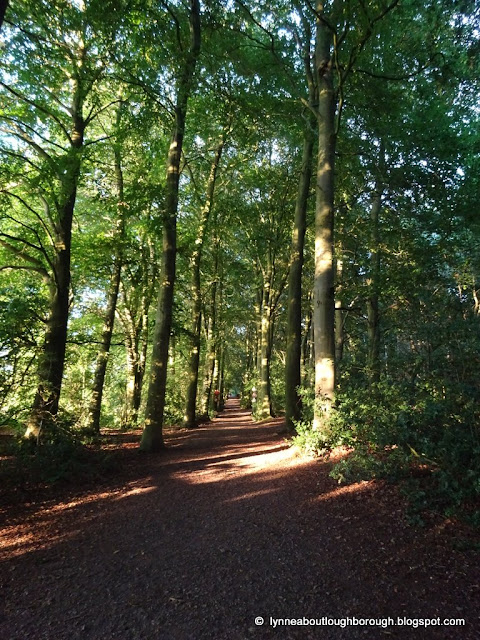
(323, 290)
(152, 437)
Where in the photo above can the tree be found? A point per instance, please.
(49, 126)
(332, 36)
(152, 438)
(195, 264)
(112, 294)
(294, 309)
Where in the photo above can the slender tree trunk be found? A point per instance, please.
(307, 341)
(339, 313)
(294, 310)
(135, 374)
(373, 308)
(152, 437)
(324, 300)
(271, 297)
(209, 378)
(130, 417)
(104, 351)
(258, 327)
(112, 298)
(191, 401)
(134, 318)
(210, 351)
(52, 361)
(264, 404)
(221, 380)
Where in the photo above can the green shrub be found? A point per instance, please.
(62, 453)
(312, 442)
(427, 439)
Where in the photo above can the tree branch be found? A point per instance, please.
(40, 107)
(39, 267)
(27, 126)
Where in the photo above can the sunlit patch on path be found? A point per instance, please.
(229, 524)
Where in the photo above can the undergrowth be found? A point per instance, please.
(430, 444)
(62, 453)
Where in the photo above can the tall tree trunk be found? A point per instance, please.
(264, 404)
(52, 360)
(271, 297)
(221, 378)
(258, 327)
(133, 315)
(293, 358)
(135, 352)
(373, 308)
(323, 297)
(191, 400)
(307, 341)
(152, 437)
(294, 310)
(339, 312)
(112, 298)
(211, 347)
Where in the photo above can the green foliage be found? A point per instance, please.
(431, 442)
(19, 336)
(313, 442)
(63, 453)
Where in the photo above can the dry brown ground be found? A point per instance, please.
(229, 525)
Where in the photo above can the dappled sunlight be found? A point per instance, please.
(227, 513)
(39, 530)
(135, 492)
(243, 460)
(357, 487)
(251, 494)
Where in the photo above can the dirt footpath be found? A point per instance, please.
(224, 537)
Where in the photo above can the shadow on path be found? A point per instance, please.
(228, 526)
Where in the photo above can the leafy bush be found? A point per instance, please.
(313, 442)
(428, 440)
(62, 453)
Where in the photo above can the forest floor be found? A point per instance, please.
(228, 527)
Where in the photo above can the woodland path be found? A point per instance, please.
(230, 524)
